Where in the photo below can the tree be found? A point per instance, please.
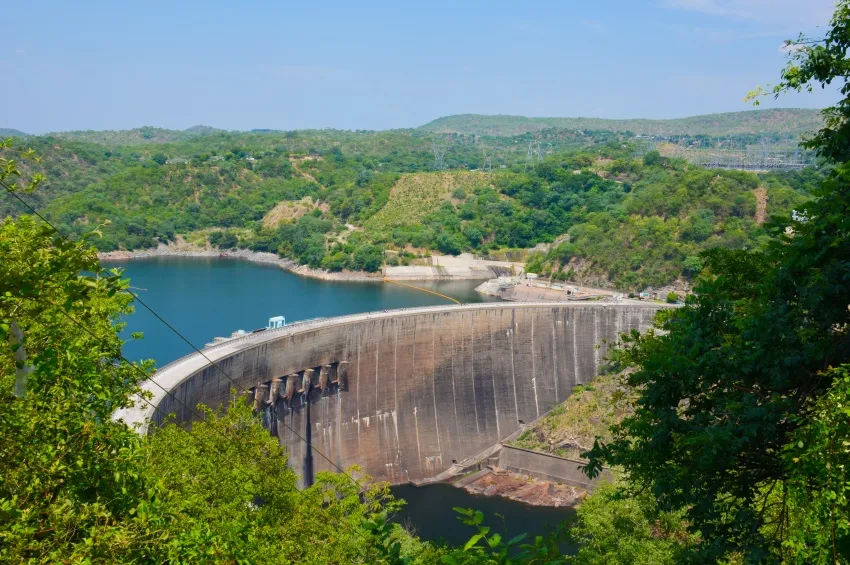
(652, 158)
(367, 258)
(229, 486)
(77, 486)
(739, 375)
(228, 240)
(70, 482)
(818, 486)
(814, 62)
(612, 529)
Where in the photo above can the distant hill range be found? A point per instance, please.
(6, 133)
(136, 136)
(781, 121)
(784, 122)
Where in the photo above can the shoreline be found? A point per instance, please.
(501, 483)
(181, 248)
(242, 254)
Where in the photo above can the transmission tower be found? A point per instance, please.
(534, 155)
(488, 161)
(440, 147)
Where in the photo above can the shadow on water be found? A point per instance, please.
(429, 514)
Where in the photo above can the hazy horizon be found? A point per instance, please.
(386, 66)
(155, 126)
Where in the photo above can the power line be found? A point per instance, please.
(156, 408)
(173, 329)
(149, 378)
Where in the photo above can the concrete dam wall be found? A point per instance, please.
(403, 393)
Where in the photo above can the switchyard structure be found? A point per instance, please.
(761, 157)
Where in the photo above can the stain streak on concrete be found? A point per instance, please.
(448, 381)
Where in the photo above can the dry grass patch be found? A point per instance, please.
(287, 211)
(416, 195)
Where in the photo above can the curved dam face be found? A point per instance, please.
(404, 393)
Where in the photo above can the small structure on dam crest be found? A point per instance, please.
(402, 393)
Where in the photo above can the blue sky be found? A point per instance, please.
(377, 65)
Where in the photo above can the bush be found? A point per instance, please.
(367, 258)
(672, 297)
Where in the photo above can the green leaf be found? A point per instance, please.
(472, 541)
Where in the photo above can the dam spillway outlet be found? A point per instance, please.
(402, 393)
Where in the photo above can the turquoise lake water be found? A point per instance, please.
(207, 297)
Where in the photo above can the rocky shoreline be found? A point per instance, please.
(525, 489)
(182, 249)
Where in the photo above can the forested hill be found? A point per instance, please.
(782, 121)
(6, 133)
(357, 200)
(137, 136)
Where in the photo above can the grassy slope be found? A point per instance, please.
(588, 413)
(789, 121)
(416, 195)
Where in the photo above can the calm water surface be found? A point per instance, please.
(204, 297)
(429, 513)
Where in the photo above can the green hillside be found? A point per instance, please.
(375, 197)
(782, 121)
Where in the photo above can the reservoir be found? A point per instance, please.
(207, 297)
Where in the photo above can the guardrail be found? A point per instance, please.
(336, 320)
(233, 340)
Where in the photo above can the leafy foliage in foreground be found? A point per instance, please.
(613, 529)
(742, 417)
(71, 481)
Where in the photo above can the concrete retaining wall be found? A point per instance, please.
(548, 467)
(424, 387)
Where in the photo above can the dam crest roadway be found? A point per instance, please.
(402, 393)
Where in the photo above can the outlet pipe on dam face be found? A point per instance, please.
(402, 393)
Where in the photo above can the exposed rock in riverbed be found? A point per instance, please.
(525, 489)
